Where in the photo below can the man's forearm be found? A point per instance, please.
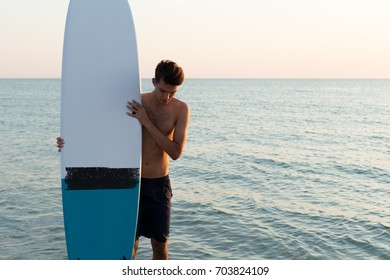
(172, 148)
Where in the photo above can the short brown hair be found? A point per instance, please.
(170, 72)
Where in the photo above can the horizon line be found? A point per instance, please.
(212, 78)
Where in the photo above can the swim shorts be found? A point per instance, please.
(154, 216)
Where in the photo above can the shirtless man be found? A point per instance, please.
(164, 121)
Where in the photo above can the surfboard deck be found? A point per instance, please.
(100, 161)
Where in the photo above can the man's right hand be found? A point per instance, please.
(60, 143)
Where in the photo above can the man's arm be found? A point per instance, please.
(174, 147)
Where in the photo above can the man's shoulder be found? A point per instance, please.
(180, 106)
(180, 103)
(145, 94)
(146, 97)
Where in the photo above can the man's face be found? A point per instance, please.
(164, 92)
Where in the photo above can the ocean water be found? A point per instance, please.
(273, 169)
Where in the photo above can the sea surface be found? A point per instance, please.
(273, 169)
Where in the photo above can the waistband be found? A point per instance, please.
(151, 180)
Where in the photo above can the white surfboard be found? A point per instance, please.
(100, 163)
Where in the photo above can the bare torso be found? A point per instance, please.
(155, 161)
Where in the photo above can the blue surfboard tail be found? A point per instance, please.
(100, 224)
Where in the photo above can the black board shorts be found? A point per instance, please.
(154, 216)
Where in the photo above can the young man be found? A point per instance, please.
(164, 121)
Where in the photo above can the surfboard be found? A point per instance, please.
(100, 161)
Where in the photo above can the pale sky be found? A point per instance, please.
(217, 38)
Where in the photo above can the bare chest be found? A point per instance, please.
(164, 120)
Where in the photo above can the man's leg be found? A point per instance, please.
(160, 249)
(135, 248)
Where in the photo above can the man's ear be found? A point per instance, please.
(154, 81)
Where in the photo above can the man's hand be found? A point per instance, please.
(60, 143)
(137, 111)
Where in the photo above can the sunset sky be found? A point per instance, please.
(218, 38)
